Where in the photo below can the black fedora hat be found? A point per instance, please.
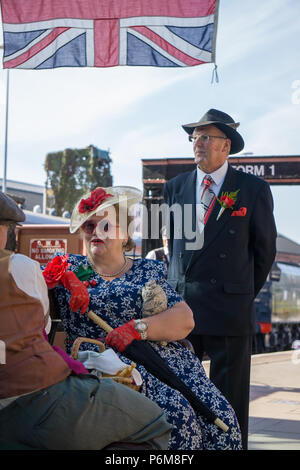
(222, 121)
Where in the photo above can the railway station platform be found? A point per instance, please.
(274, 412)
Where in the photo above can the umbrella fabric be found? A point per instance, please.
(144, 354)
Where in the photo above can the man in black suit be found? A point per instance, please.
(221, 269)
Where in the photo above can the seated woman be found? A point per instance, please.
(43, 405)
(114, 291)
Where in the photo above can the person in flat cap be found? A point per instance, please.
(221, 273)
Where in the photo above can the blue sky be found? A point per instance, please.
(137, 112)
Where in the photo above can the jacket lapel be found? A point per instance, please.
(188, 213)
(214, 226)
(189, 196)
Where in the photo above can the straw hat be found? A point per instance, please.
(102, 198)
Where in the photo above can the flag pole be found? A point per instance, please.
(6, 129)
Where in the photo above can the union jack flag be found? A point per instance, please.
(43, 34)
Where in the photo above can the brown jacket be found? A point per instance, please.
(31, 363)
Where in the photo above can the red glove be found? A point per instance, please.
(122, 336)
(80, 297)
(56, 272)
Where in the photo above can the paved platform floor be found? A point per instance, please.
(274, 412)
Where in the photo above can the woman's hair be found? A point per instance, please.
(129, 222)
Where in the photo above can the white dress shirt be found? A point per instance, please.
(218, 177)
(29, 278)
(152, 253)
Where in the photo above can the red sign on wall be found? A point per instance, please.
(42, 250)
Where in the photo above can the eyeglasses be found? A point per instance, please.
(104, 226)
(205, 138)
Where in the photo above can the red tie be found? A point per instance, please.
(207, 198)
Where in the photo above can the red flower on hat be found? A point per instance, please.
(55, 270)
(96, 198)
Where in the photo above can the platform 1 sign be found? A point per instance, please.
(279, 170)
(275, 170)
(42, 250)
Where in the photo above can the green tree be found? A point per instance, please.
(73, 172)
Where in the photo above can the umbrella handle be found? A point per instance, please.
(218, 422)
(105, 326)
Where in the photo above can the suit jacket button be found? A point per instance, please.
(222, 255)
(213, 281)
(231, 231)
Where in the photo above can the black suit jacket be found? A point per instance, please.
(220, 280)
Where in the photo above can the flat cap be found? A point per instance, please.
(9, 210)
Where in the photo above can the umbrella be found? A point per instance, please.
(144, 354)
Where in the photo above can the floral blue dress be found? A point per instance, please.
(118, 302)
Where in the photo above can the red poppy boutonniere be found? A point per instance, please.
(227, 201)
(96, 198)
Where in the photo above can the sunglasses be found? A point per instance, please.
(104, 226)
